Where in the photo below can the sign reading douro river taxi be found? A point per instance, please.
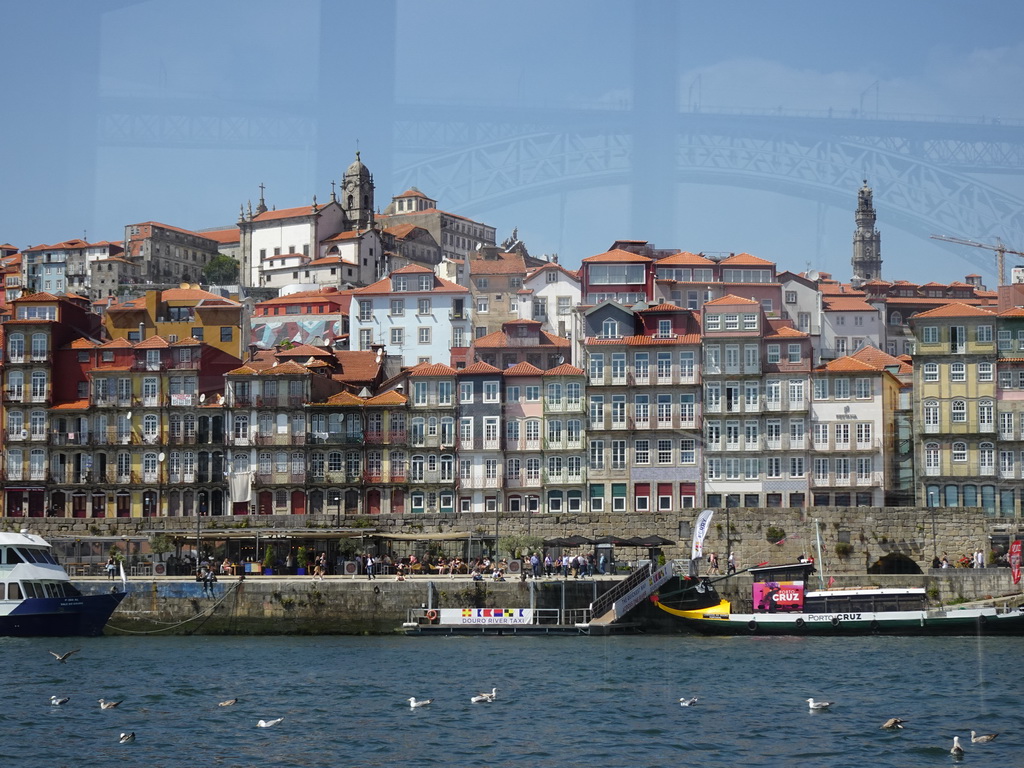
(486, 616)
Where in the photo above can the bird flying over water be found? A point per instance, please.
(893, 723)
(126, 738)
(268, 723)
(413, 704)
(984, 738)
(817, 705)
(228, 703)
(485, 697)
(63, 657)
(104, 704)
(957, 750)
(57, 702)
(684, 702)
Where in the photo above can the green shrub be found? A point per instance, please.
(844, 549)
(774, 534)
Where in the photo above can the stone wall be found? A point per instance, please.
(852, 538)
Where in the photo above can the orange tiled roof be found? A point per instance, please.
(153, 342)
(523, 369)
(222, 235)
(878, 359)
(847, 304)
(349, 234)
(285, 213)
(730, 299)
(743, 259)
(388, 398)
(686, 258)
(501, 340)
(432, 369)
(505, 264)
(645, 341)
(616, 255)
(242, 370)
(846, 365)
(345, 398)
(478, 368)
(76, 405)
(785, 332)
(664, 308)
(286, 368)
(954, 310)
(565, 370)
(305, 350)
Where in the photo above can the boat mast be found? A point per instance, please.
(817, 536)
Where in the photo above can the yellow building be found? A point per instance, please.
(182, 313)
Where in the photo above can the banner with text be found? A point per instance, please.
(507, 616)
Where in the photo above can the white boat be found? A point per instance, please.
(37, 598)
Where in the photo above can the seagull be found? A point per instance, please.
(104, 704)
(893, 723)
(413, 704)
(63, 658)
(268, 723)
(127, 738)
(684, 702)
(57, 702)
(485, 697)
(814, 705)
(985, 738)
(228, 703)
(957, 750)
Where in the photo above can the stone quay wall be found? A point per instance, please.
(852, 538)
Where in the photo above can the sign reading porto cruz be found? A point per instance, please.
(778, 596)
(486, 616)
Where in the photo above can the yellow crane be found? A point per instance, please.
(1000, 249)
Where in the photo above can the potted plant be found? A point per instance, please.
(302, 560)
(268, 561)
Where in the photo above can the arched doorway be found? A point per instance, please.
(894, 562)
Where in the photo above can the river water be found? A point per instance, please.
(562, 701)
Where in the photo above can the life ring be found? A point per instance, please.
(431, 615)
(376, 590)
(835, 621)
(800, 623)
(875, 626)
(983, 620)
(752, 625)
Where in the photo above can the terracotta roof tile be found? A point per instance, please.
(72, 405)
(345, 398)
(847, 304)
(432, 369)
(665, 308)
(616, 255)
(846, 365)
(745, 259)
(953, 310)
(523, 369)
(388, 398)
(478, 368)
(730, 299)
(565, 370)
(645, 341)
(685, 258)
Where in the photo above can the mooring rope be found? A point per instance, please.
(173, 625)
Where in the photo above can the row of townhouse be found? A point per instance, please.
(672, 408)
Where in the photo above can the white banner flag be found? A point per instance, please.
(699, 532)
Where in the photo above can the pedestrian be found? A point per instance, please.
(713, 564)
(602, 564)
(731, 567)
(547, 565)
(370, 562)
(535, 565)
(209, 577)
(979, 559)
(111, 566)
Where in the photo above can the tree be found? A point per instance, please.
(221, 270)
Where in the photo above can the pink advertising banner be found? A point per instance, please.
(779, 596)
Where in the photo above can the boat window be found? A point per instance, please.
(13, 558)
(70, 590)
(3, 591)
(13, 591)
(861, 604)
(28, 588)
(27, 555)
(44, 556)
(814, 605)
(887, 603)
(912, 602)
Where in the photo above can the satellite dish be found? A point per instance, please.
(813, 274)
(161, 457)
(202, 398)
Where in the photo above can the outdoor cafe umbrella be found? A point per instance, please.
(653, 541)
(576, 541)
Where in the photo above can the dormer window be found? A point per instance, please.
(522, 331)
(610, 329)
(426, 282)
(399, 283)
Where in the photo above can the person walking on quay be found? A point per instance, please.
(547, 565)
(370, 562)
(713, 564)
(731, 568)
(209, 577)
(111, 566)
(535, 565)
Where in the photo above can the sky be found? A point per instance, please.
(123, 111)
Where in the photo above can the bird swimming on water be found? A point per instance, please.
(104, 704)
(228, 703)
(485, 697)
(63, 657)
(817, 705)
(957, 750)
(126, 738)
(57, 702)
(413, 704)
(268, 723)
(684, 702)
(984, 738)
(893, 723)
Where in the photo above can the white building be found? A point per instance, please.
(415, 314)
(549, 295)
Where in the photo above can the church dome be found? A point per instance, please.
(358, 170)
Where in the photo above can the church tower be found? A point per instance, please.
(867, 242)
(357, 195)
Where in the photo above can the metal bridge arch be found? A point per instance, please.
(918, 196)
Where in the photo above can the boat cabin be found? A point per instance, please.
(783, 588)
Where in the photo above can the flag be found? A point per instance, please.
(831, 581)
(124, 579)
(699, 532)
(1015, 548)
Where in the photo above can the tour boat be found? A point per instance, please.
(37, 599)
(783, 605)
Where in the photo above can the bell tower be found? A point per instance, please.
(357, 195)
(867, 242)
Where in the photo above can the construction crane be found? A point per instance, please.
(1000, 249)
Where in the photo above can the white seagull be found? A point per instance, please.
(892, 724)
(818, 705)
(413, 704)
(104, 704)
(57, 702)
(485, 697)
(127, 738)
(985, 738)
(269, 723)
(63, 657)
(684, 702)
(228, 703)
(957, 750)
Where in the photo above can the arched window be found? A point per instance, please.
(896, 319)
(610, 329)
(958, 411)
(16, 348)
(931, 459)
(959, 452)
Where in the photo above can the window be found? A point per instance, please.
(983, 333)
(957, 372)
(397, 336)
(226, 333)
(794, 353)
(664, 452)
(642, 452)
(774, 352)
(424, 335)
(712, 322)
(984, 371)
(490, 391)
(397, 307)
(842, 389)
(959, 452)
(597, 454)
(423, 306)
(931, 371)
(930, 335)
(791, 297)
(532, 394)
(863, 388)
(958, 411)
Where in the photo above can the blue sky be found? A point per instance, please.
(120, 111)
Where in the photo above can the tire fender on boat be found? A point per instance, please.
(800, 623)
(835, 621)
(875, 626)
(752, 625)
